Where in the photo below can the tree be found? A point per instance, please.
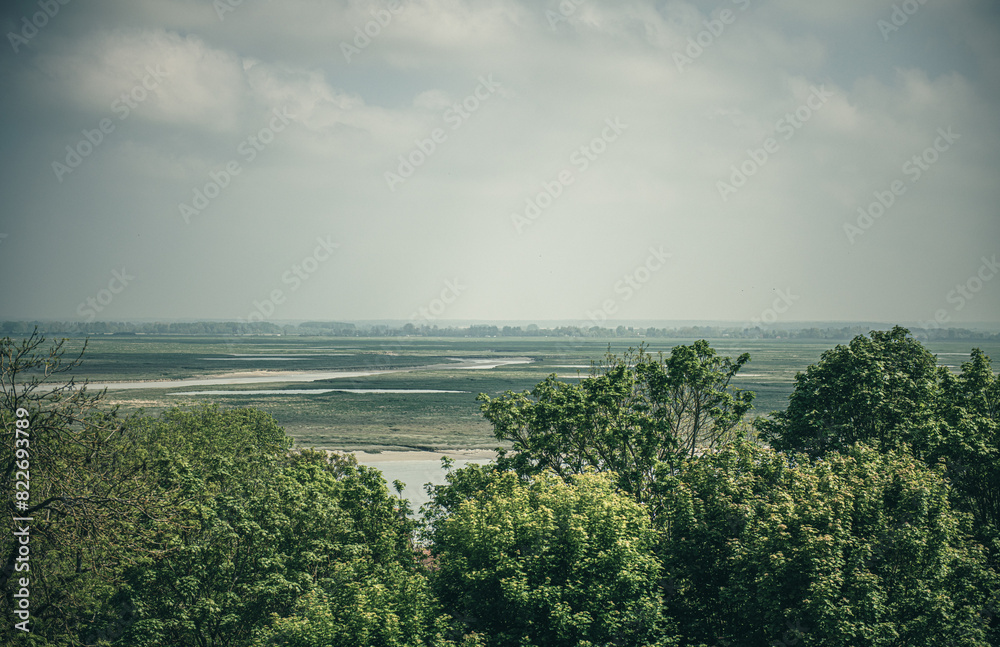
(262, 529)
(969, 440)
(87, 491)
(859, 548)
(633, 413)
(373, 592)
(879, 390)
(548, 562)
(274, 546)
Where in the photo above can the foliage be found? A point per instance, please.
(631, 511)
(878, 390)
(969, 442)
(270, 535)
(90, 493)
(234, 559)
(633, 413)
(374, 594)
(861, 548)
(548, 563)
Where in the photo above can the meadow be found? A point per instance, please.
(379, 421)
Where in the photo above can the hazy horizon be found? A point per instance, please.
(981, 326)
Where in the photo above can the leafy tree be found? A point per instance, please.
(549, 562)
(375, 593)
(89, 491)
(969, 441)
(878, 390)
(275, 547)
(631, 414)
(226, 566)
(860, 548)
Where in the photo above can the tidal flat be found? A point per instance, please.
(399, 394)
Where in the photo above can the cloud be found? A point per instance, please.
(558, 83)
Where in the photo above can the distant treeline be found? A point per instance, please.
(341, 329)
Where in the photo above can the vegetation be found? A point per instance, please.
(861, 548)
(403, 420)
(636, 507)
(636, 414)
(549, 562)
(879, 390)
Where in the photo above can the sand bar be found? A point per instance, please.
(399, 456)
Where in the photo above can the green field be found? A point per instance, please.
(374, 421)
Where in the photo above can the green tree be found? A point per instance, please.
(969, 441)
(226, 566)
(549, 562)
(880, 390)
(92, 503)
(633, 413)
(268, 537)
(375, 593)
(861, 548)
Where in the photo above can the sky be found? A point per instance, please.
(755, 161)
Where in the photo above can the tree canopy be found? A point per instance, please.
(634, 508)
(548, 562)
(878, 389)
(634, 413)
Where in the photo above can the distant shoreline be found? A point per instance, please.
(395, 456)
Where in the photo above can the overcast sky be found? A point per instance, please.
(500, 160)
